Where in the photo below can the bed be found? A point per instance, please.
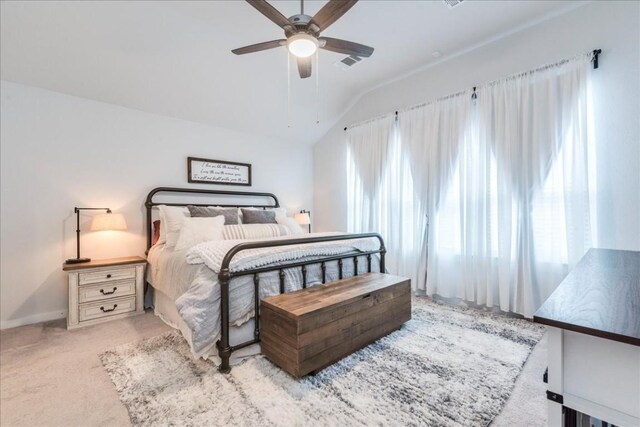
(211, 291)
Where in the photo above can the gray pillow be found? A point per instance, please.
(230, 214)
(256, 216)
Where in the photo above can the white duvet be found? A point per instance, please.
(195, 288)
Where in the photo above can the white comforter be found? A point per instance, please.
(198, 300)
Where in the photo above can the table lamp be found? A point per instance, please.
(105, 221)
(303, 218)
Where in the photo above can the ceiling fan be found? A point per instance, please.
(302, 33)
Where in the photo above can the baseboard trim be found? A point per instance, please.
(34, 318)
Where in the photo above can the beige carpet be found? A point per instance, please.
(51, 377)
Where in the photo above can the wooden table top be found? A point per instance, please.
(599, 297)
(104, 263)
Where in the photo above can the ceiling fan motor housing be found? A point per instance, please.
(302, 24)
(300, 19)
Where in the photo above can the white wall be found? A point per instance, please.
(613, 27)
(59, 151)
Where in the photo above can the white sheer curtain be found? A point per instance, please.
(368, 150)
(503, 182)
(520, 196)
(431, 136)
(380, 192)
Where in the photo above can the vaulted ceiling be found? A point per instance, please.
(174, 59)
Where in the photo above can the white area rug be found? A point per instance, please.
(448, 366)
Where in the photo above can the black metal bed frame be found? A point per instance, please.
(225, 275)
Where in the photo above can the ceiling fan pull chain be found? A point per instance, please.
(317, 87)
(288, 89)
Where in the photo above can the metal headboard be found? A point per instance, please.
(149, 203)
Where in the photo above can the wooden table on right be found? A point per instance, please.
(593, 321)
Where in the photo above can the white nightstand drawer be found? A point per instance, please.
(106, 290)
(103, 290)
(111, 307)
(107, 275)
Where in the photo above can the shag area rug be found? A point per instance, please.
(448, 366)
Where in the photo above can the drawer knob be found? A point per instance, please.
(108, 276)
(108, 309)
(108, 292)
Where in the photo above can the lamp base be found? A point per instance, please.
(77, 260)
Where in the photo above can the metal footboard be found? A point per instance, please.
(225, 276)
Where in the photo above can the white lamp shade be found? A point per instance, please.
(302, 218)
(108, 221)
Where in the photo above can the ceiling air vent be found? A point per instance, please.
(452, 3)
(348, 62)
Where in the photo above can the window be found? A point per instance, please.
(468, 215)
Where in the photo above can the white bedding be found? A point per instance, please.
(190, 278)
(165, 308)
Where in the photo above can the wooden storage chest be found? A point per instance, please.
(307, 330)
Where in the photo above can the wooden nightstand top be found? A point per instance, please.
(104, 263)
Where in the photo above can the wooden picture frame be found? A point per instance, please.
(221, 172)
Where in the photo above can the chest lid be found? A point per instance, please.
(316, 299)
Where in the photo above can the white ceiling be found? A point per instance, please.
(174, 59)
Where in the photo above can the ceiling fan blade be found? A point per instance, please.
(346, 47)
(258, 47)
(331, 12)
(304, 67)
(272, 13)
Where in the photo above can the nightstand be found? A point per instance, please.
(105, 289)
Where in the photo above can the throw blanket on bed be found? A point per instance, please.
(199, 306)
(212, 253)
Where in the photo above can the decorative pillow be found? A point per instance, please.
(280, 212)
(230, 214)
(254, 231)
(156, 231)
(291, 224)
(198, 230)
(255, 216)
(171, 222)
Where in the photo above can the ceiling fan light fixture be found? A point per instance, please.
(302, 45)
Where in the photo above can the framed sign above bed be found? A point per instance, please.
(209, 171)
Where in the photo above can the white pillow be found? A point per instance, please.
(280, 212)
(171, 222)
(198, 230)
(290, 223)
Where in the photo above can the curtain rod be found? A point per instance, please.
(373, 119)
(474, 95)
